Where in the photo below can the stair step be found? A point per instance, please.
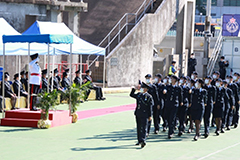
(17, 122)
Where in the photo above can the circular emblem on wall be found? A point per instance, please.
(232, 26)
(236, 49)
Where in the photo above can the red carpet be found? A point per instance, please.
(104, 111)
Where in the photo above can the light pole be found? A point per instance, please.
(207, 36)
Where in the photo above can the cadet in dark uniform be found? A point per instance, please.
(174, 99)
(23, 79)
(211, 100)
(143, 112)
(229, 104)
(161, 88)
(87, 78)
(55, 81)
(191, 85)
(65, 80)
(215, 76)
(222, 67)
(199, 101)
(182, 110)
(45, 81)
(192, 62)
(236, 96)
(219, 106)
(77, 80)
(8, 93)
(17, 86)
(156, 108)
(194, 76)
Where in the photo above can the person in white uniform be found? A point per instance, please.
(34, 80)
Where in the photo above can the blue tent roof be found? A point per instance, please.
(43, 38)
(79, 46)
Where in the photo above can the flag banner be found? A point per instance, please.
(230, 25)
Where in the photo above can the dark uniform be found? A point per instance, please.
(182, 110)
(99, 94)
(17, 85)
(229, 102)
(59, 79)
(174, 97)
(142, 112)
(45, 84)
(211, 97)
(55, 83)
(162, 99)
(235, 89)
(192, 62)
(156, 112)
(219, 105)
(65, 81)
(222, 69)
(199, 99)
(77, 80)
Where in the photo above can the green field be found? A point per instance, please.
(111, 136)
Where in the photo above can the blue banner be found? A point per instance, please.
(230, 25)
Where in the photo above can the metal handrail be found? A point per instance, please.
(120, 28)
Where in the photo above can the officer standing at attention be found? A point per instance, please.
(172, 70)
(77, 80)
(35, 80)
(192, 62)
(182, 110)
(222, 67)
(174, 99)
(156, 108)
(45, 81)
(199, 100)
(211, 100)
(143, 112)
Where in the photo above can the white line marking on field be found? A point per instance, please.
(219, 151)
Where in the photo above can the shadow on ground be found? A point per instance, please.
(16, 130)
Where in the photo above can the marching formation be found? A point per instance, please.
(37, 80)
(184, 102)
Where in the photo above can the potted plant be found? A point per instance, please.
(77, 93)
(46, 102)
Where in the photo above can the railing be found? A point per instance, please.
(215, 54)
(173, 33)
(123, 27)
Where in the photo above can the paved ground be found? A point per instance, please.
(108, 137)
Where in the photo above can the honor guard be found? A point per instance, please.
(143, 112)
(174, 99)
(35, 80)
(211, 100)
(77, 80)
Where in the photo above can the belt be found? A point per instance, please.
(35, 74)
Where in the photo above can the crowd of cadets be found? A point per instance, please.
(183, 103)
(20, 84)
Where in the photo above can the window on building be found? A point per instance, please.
(231, 3)
(204, 2)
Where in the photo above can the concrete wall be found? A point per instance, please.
(134, 55)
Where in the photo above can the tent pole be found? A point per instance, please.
(16, 64)
(19, 66)
(48, 70)
(81, 69)
(3, 81)
(29, 94)
(104, 70)
(70, 105)
(53, 61)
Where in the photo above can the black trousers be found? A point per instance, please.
(141, 128)
(34, 89)
(165, 124)
(98, 92)
(206, 117)
(229, 118)
(236, 114)
(225, 116)
(156, 119)
(170, 114)
(182, 112)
